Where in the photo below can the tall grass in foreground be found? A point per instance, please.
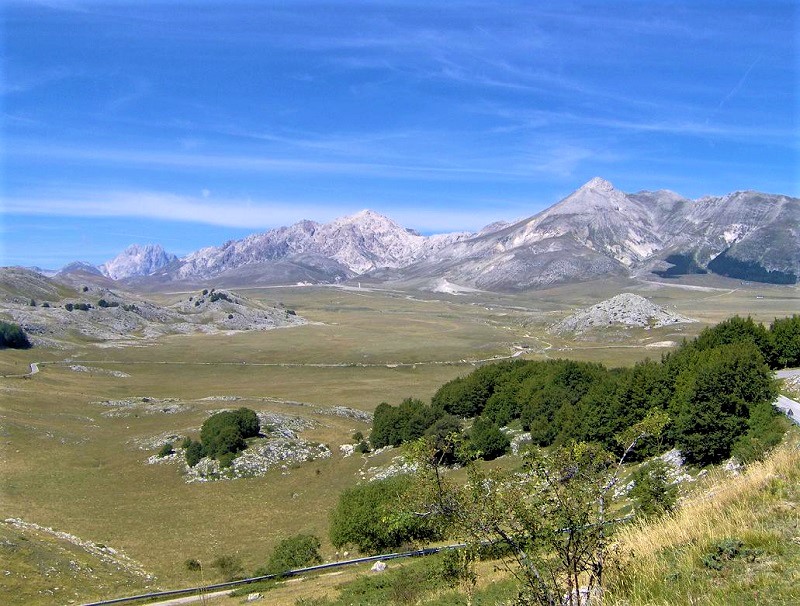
(736, 543)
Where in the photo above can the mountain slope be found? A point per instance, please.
(343, 248)
(600, 231)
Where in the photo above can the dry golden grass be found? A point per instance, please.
(68, 466)
(662, 562)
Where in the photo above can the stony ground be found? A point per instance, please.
(626, 309)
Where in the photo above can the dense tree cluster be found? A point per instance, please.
(726, 265)
(223, 436)
(717, 390)
(12, 336)
(361, 518)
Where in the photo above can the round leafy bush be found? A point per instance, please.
(12, 336)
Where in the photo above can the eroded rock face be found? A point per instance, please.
(137, 260)
(626, 309)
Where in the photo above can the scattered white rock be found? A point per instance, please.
(143, 406)
(254, 597)
(398, 466)
(114, 373)
(347, 450)
(257, 460)
(673, 458)
(378, 566)
(733, 466)
(520, 442)
(626, 309)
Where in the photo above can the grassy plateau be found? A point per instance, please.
(71, 466)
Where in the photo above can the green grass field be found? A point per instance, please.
(68, 466)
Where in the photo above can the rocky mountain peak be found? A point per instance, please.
(598, 184)
(137, 260)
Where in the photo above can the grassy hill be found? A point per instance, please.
(735, 541)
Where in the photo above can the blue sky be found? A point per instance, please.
(192, 123)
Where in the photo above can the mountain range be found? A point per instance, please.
(594, 232)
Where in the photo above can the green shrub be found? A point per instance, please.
(728, 550)
(224, 433)
(226, 459)
(652, 491)
(229, 567)
(298, 551)
(194, 452)
(487, 440)
(166, 450)
(12, 336)
(365, 516)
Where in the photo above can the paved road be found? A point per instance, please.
(192, 599)
(787, 405)
(34, 370)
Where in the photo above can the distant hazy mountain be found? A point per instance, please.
(343, 248)
(137, 260)
(596, 231)
(79, 267)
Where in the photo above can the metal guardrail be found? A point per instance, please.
(288, 573)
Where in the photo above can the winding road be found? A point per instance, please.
(786, 405)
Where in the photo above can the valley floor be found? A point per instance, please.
(76, 462)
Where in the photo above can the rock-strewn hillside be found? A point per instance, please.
(626, 309)
(49, 311)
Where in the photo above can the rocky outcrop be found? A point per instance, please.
(50, 310)
(626, 310)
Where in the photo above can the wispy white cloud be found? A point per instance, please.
(166, 207)
(255, 163)
(524, 118)
(246, 213)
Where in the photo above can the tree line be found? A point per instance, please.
(716, 389)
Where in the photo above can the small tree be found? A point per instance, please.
(552, 515)
(652, 491)
(12, 336)
(366, 516)
(295, 552)
(486, 439)
(194, 452)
